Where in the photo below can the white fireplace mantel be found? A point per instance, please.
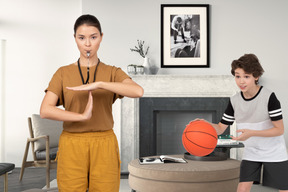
(186, 85)
(167, 86)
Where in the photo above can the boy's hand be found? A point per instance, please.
(197, 119)
(246, 134)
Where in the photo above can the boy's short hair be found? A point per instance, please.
(249, 63)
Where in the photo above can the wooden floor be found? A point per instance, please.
(35, 178)
(32, 178)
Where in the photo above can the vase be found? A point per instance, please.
(146, 65)
(153, 70)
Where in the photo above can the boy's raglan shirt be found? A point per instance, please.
(257, 113)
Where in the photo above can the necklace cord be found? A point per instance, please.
(88, 76)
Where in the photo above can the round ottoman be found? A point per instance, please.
(208, 176)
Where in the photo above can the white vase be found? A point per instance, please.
(146, 65)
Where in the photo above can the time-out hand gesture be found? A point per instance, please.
(86, 87)
(87, 114)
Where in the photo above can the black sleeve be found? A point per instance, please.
(274, 108)
(228, 116)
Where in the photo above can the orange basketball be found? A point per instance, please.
(199, 138)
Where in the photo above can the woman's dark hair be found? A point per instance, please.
(250, 64)
(89, 20)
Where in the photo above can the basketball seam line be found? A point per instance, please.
(201, 132)
(197, 144)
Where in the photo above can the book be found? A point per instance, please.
(150, 160)
(169, 159)
(221, 142)
(160, 160)
(226, 140)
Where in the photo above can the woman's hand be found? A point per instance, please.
(87, 114)
(86, 87)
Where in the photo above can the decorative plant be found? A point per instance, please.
(140, 48)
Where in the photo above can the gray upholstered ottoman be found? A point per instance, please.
(4, 169)
(196, 176)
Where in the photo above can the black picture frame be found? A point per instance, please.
(183, 26)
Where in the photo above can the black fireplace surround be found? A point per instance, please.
(150, 106)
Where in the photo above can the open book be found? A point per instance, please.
(160, 160)
(226, 140)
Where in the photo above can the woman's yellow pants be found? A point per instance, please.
(88, 160)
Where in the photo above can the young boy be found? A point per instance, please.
(258, 115)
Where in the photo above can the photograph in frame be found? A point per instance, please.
(184, 35)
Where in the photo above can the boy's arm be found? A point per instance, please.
(277, 130)
(220, 127)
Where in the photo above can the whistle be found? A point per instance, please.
(88, 54)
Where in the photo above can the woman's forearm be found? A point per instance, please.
(48, 109)
(125, 88)
(55, 113)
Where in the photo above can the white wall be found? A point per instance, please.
(39, 39)
(236, 27)
(2, 75)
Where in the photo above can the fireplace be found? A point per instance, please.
(163, 120)
(164, 93)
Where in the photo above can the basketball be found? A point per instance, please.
(199, 138)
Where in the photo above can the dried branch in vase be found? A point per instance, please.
(140, 48)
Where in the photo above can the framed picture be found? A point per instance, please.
(184, 35)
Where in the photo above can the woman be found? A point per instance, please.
(88, 154)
